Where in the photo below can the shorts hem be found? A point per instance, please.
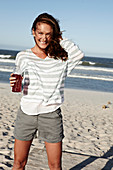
(51, 141)
(23, 139)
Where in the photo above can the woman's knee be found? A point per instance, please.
(54, 165)
(54, 153)
(19, 164)
(21, 151)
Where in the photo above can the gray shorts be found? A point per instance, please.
(49, 126)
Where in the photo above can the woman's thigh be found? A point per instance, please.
(54, 153)
(21, 150)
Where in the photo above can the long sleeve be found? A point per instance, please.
(74, 54)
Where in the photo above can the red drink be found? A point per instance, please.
(18, 84)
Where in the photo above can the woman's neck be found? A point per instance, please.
(39, 52)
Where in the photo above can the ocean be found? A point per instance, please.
(92, 73)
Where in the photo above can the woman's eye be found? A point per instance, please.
(48, 35)
(40, 33)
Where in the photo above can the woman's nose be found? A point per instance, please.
(44, 37)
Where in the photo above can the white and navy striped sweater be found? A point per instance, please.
(45, 78)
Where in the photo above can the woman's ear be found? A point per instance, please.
(33, 32)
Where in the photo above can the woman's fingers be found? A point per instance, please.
(12, 83)
(12, 80)
(11, 74)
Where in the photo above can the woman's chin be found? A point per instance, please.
(43, 47)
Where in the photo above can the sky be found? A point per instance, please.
(88, 23)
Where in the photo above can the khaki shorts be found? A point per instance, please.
(49, 126)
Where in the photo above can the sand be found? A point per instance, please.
(88, 127)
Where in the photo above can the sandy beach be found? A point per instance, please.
(88, 127)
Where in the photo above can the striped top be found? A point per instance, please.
(43, 87)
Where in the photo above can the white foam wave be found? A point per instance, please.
(5, 56)
(6, 70)
(88, 62)
(7, 60)
(90, 77)
(72, 76)
(92, 63)
(94, 68)
(80, 62)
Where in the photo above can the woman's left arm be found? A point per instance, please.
(74, 54)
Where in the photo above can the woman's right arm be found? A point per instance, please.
(12, 78)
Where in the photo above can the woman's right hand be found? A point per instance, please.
(12, 80)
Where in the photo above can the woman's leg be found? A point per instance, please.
(54, 153)
(21, 151)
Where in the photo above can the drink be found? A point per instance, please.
(18, 84)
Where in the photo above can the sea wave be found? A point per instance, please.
(7, 60)
(87, 63)
(90, 77)
(5, 56)
(97, 62)
(71, 75)
(94, 68)
(6, 70)
(80, 67)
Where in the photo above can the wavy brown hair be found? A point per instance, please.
(54, 49)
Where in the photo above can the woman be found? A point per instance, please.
(45, 67)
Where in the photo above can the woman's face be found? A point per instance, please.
(43, 35)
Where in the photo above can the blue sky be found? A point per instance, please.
(89, 23)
